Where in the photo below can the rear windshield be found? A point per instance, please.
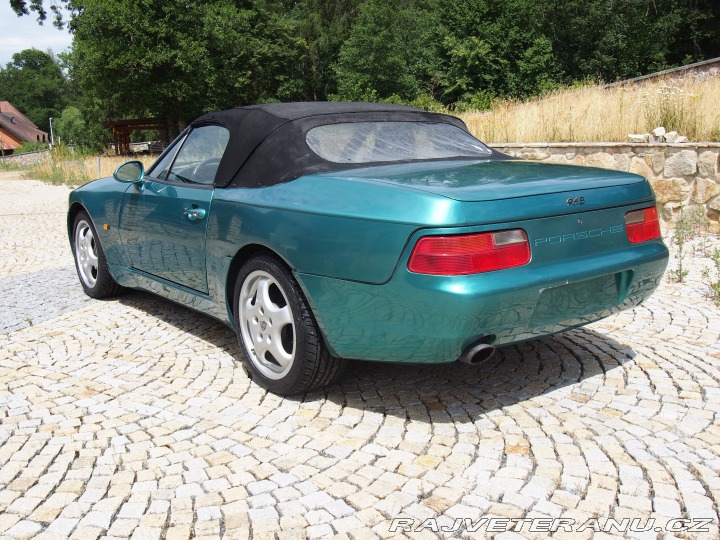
(367, 142)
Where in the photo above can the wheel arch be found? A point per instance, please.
(245, 254)
(75, 208)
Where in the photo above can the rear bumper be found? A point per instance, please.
(431, 319)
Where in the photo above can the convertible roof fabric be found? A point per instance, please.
(267, 142)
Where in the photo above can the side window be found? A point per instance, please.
(198, 160)
(161, 169)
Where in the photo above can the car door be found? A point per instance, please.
(163, 219)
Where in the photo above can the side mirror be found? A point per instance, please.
(130, 172)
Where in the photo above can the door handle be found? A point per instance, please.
(194, 214)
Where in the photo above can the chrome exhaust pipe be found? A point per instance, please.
(477, 354)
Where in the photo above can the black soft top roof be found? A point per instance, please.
(267, 143)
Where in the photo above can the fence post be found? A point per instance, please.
(98, 166)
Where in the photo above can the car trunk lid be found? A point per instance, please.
(491, 180)
(513, 188)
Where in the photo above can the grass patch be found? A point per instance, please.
(75, 168)
(688, 226)
(593, 113)
(8, 166)
(711, 276)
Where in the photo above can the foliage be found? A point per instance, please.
(687, 227)
(389, 52)
(427, 102)
(31, 146)
(480, 101)
(33, 83)
(175, 60)
(670, 108)
(70, 128)
(712, 277)
(8, 166)
(24, 7)
(495, 49)
(185, 59)
(323, 25)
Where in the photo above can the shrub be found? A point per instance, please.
(31, 146)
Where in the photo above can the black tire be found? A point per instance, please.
(303, 363)
(93, 273)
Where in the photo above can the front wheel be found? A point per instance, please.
(280, 339)
(90, 263)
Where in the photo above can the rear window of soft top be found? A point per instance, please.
(368, 142)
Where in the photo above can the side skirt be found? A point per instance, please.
(207, 304)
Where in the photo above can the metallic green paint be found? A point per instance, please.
(347, 236)
(161, 234)
(484, 180)
(421, 318)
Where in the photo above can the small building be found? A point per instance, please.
(16, 129)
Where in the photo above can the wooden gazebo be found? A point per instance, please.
(123, 128)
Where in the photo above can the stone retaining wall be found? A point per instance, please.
(26, 158)
(682, 175)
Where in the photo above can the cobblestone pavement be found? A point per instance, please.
(131, 419)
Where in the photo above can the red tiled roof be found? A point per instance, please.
(19, 125)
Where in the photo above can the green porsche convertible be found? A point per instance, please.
(322, 232)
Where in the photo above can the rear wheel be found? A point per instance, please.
(283, 347)
(90, 262)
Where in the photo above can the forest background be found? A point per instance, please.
(175, 60)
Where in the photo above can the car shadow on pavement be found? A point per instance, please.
(184, 319)
(441, 393)
(436, 393)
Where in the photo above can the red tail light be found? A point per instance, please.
(470, 253)
(642, 225)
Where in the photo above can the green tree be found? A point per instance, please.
(71, 127)
(689, 29)
(34, 83)
(24, 7)
(391, 51)
(253, 55)
(176, 60)
(324, 26)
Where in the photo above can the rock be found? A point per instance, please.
(714, 204)
(681, 139)
(713, 225)
(656, 161)
(671, 136)
(682, 163)
(708, 164)
(638, 138)
(670, 211)
(658, 131)
(713, 215)
(602, 160)
(670, 190)
(638, 166)
(704, 190)
(622, 162)
(557, 158)
(534, 154)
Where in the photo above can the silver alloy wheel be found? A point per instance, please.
(86, 253)
(267, 326)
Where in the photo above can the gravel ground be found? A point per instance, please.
(131, 418)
